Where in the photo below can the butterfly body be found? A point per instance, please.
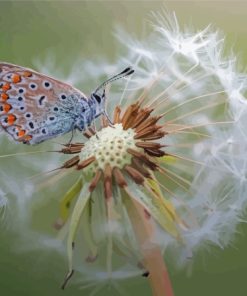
(35, 107)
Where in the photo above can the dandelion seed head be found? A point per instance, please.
(109, 146)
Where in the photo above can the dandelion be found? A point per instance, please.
(123, 158)
(168, 175)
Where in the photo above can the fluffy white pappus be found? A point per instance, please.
(29, 167)
(219, 193)
(18, 195)
(203, 96)
(181, 40)
(95, 280)
(194, 60)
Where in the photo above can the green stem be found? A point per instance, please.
(152, 256)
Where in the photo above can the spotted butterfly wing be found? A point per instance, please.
(35, 107)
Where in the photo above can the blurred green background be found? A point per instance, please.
(72, 29)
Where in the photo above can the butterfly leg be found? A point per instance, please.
(72, 135)
(104, 113)
(71, 138)
(111, 124)
(95, 129)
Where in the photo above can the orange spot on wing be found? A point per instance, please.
(7, 107)
(27, 138)
(27, 74)
(6, 86)
(4, 96)
(16, 78)
(21, 133)
(11, 118)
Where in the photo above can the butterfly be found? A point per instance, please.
(35, 107)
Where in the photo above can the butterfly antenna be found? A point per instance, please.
(100, 98)
(126, 72)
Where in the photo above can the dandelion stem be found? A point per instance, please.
(109, 205)
(152, 256)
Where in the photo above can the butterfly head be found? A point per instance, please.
(98, 100)
(98, 97)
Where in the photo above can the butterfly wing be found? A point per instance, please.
(35, 107)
